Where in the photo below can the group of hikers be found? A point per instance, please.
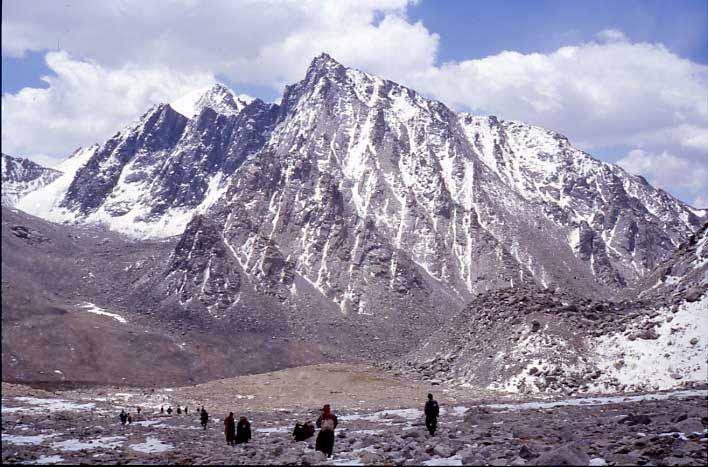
(237, 433)
(169, 410)
(326, 422)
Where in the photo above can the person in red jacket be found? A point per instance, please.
(327, 422)
(230, 429)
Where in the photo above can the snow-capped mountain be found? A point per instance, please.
(150, 179)
(374, 195)
(21, 176)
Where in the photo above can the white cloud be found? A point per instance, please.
(84, 103)
(265, 42)
(597, 94)
(611, 35)
(611, 92)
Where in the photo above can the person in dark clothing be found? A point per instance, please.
(230, 429)
(162, 409)
(327, 423)
(130, 419)
(138, 408)
(303, 431)
(179, 410)
(432, 410)
(299, 432)
(204, 417)
(169, 410)
(243, 431)
(123, 417)
(185, 410)
(309, 429)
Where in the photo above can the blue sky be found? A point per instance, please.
(470, 28)
(633, 90)
(476, 29)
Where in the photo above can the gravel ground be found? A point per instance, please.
(380, 423)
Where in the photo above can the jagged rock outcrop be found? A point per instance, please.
(22, 176)
(683, 276)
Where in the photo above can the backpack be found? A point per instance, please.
(327, 424)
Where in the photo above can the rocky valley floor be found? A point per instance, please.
(380, 422)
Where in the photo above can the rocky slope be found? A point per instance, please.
(76, 427)
(22, 176)
(101, 305)
(533, 340)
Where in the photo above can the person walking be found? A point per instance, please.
(327, 423)
(230, 429)
(243, 431)
(123, 417)
(432, 410)
(204, 418)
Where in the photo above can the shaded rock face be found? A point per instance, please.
(683, 276)
(199, 268)
(166, 161)
(22, 176)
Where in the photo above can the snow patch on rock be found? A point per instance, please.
(91, 308)
(678, 353)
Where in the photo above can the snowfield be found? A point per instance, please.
(678, 354)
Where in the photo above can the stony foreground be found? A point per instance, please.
(82, 427)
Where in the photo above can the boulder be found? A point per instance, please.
(567, 454)
(443, 450)
(693, 294)
(636, 420)
(314, 458)
(689, 426)
(371, 458)
(526, 453)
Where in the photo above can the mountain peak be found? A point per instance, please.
(217, 97)
(323, 63)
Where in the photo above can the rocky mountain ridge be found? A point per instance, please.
(475, 203)
(22, 176)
